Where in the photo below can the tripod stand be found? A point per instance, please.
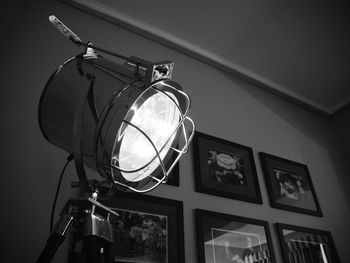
(89, 222)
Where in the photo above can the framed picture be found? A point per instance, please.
(148, 230)
(223, 238)
(289, 185)
(174, 177)
(225, 169)
(301, 244)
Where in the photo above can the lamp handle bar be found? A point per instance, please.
(68, 33)
(64, 30)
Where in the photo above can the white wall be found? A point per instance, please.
(222, 106)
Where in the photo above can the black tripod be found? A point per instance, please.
(89, 222)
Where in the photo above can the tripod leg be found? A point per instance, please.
(109, 252)
(92, 249)
(72, 249)
(97, 250)
(52, 244)
(56, 238)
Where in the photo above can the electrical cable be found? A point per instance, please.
(69, 159)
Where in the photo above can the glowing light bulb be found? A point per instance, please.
(158, 118)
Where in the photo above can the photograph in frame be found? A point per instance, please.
(148, 229)
(225, 168)
(301, 244)
(140, 237)
(223, 238)
(289, 185)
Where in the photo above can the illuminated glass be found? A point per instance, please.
(157, 117)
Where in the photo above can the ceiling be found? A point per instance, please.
(297, 49)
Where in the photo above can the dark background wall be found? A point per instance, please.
(341, 125)
(222, 106)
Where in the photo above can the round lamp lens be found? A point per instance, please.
(158, 118)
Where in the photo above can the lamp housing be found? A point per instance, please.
(129, 121)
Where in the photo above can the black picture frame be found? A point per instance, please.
(289, 185)
(303, 244)
(148, 228)
(225, 238)
(225, 168)
(174, 176)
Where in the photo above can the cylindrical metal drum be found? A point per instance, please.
(58, 102)
(126, 128)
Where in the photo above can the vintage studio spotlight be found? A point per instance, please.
(128, 121)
